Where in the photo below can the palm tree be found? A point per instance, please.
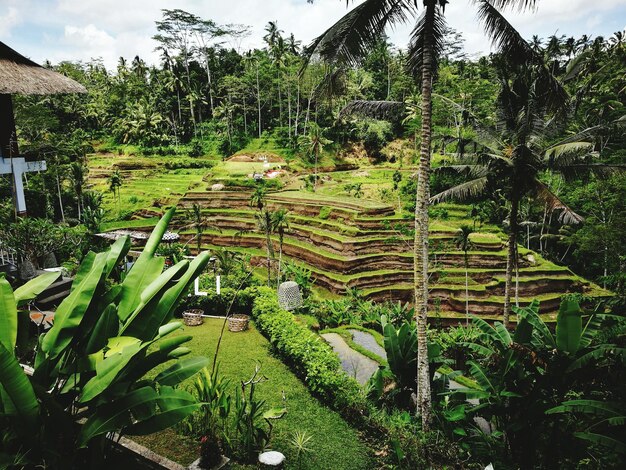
(463, 242)
(265, 224)
(349, 40)
(199, 223)
(115, 183)
(258, 196)
(226, 260)
(280, 224)
(78, 173)
(315, 142)
(516, 154)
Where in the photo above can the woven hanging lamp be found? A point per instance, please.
(289, 296)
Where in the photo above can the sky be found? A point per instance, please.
(80, 30)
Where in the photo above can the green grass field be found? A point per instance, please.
(334, 443)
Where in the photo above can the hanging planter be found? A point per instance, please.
(238, 322)
(193, 317)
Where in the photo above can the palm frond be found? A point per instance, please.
(566, 153)
(517, 51)
(349, 39)
(385, 110)
(462, 191)
(333, 83)
(503, 35)
(415, 52)
(470, 171)
(575, 171)
(553, 203)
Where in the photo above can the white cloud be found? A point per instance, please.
(8, 21)
(81, 29)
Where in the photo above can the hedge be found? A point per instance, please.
(307, 353)
(218, 304)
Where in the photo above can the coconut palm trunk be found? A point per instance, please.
(420, 248)
(511, 261)
(466, 258)
(270, 255)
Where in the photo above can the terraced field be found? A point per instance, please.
(353, 243)
(346, 242)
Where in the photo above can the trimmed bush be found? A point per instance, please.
(307, 353)
(214, 304)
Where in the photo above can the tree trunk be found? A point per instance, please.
(295, 127)
(315, 178)
(420, 248)
(466, 290)
(208, 77)
(258, 97)
(60, 198)
(511, 260)
(270, 255)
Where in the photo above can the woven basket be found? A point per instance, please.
(193, 317)
(238, 322)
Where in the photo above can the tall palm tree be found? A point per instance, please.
(349, 40)
(78, 173)
(199, 223)
(115, 183)
(315, 141)
(463, 242)
(517, 153)
(258, 196)
(280, 224)
(265, 224)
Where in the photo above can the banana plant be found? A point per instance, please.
(526, 377)
(94, 365)
(401, 348)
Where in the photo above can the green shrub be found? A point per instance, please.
(307, 353)
(218, 304)
(325, 212)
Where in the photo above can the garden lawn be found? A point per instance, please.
(334, 444)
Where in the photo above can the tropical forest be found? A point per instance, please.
(370, 248)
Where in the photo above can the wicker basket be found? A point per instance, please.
(193, 317)
(238, 322)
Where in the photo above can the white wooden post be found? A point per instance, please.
(17, 167)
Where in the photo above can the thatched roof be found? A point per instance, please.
(23, 76)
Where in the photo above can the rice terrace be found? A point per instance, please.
(313, 235)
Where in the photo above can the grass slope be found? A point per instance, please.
(334, 443)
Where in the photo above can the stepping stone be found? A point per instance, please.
(353, 362)
(271, 459)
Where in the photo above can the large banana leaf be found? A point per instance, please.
(152, 411)
(34, 287)
(160, 309)
(17, 388)
(106, 327)
(174, 406)
(151, 297)
(117, 251)
(145, 270)
(181, 370)
(168, 349)
(569, 326)
(108, 369)
(8, 316)
(70, 312)
(122, 351)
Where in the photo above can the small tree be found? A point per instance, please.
(463, 242)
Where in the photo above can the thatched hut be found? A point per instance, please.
(19, 75)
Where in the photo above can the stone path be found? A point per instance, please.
(367, 341)
(353, 363)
